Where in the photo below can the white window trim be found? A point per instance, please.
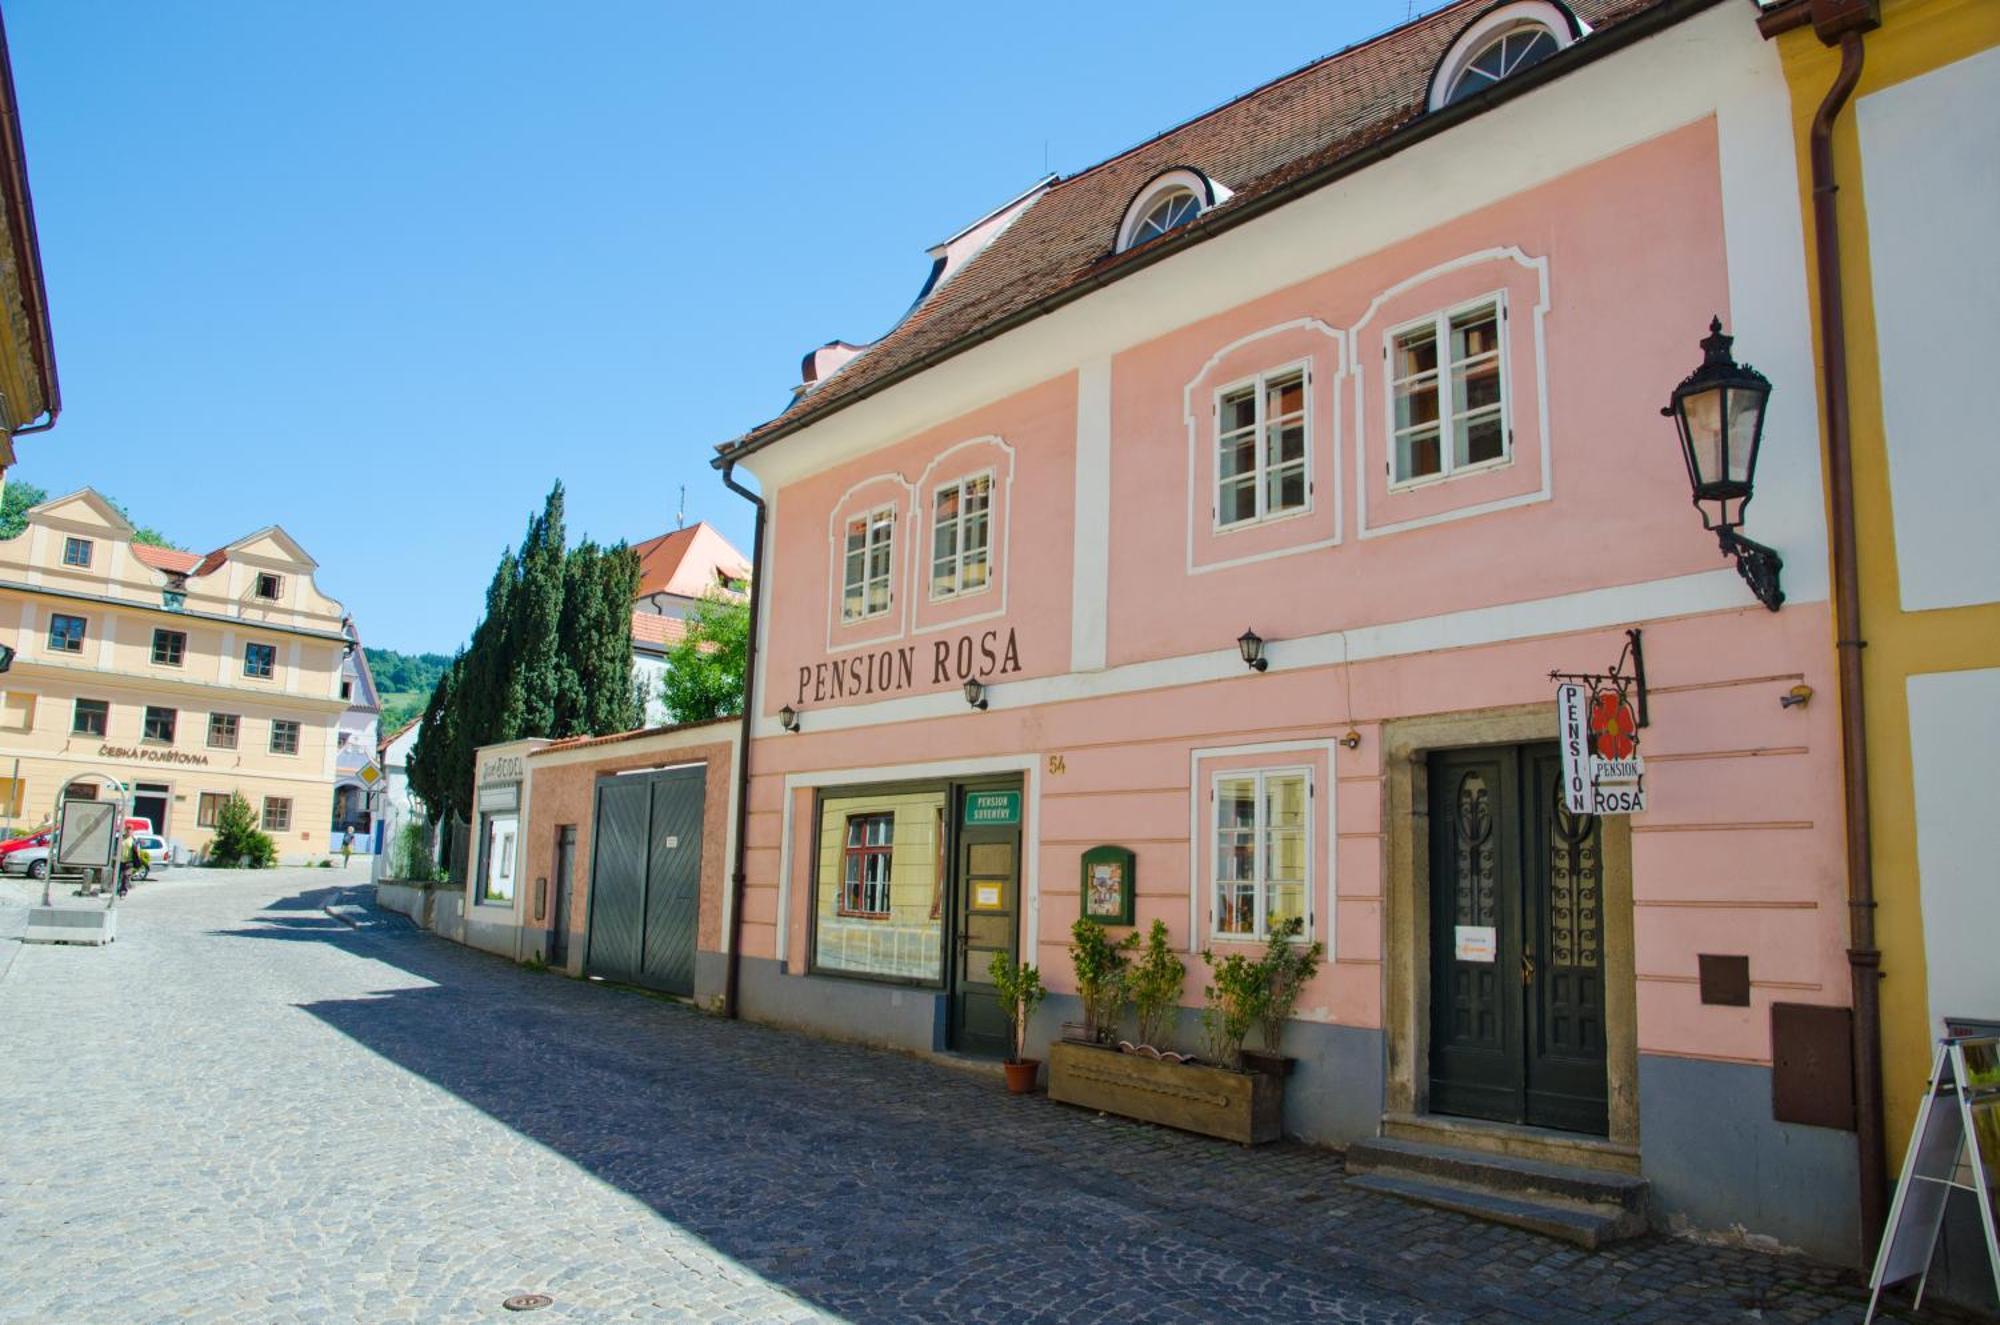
(958, 571)
(1260, 774)
(1207, 195)
(1440, 323)
(1564, 26)
(1263, 518)
(868, 518)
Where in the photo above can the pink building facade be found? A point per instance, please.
(1391, 401)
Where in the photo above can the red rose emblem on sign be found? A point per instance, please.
(1614, 729)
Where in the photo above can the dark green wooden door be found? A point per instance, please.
(987, 900)
(645, 879)
(1517, 989)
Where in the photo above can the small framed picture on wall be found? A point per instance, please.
(1109, 882)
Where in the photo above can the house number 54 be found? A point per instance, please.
(1057, 766)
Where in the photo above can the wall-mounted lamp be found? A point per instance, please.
(1351, 741)
(1719, 410)
(975, 693)
(1251, 645)
(1797, 697)
(788, 718)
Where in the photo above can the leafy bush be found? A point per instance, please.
(1287, 966)
(238, 842)
(1155, 986)
(1100, 977)
(412, 858)
(1021, 992)
(1233, 1002)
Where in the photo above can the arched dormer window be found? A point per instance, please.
(1168, 202)
(1500, 43)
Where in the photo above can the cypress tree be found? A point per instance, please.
(534, 621)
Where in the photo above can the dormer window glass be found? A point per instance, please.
(865, 580)
(1169, 213)
(961, 536)
(1509, 53)
(1167, 202)
(76, 552)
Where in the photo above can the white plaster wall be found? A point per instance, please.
(1932, 173)
(1954, 719)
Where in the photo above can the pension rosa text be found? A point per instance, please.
(887, 671)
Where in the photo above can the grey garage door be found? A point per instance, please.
(645, 879)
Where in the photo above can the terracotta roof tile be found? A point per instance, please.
(171, 560)
(1301, 122)
(652, 628)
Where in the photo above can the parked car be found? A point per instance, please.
(158, 851)
(31, 861)
(12, 845)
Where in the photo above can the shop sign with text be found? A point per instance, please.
(977, 655)
(1602, 770)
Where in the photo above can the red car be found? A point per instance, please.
(40, 839)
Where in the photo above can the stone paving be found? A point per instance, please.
(248, 1109)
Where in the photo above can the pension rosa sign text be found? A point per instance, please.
(1602, 770)
(889, 671)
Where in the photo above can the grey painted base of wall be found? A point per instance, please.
(1716, 1158)
(1334, 1095)
(888, 1016)
(711, 976)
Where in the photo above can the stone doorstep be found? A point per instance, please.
(1588, 1207)
(1517, 1141)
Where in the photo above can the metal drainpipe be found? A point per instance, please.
(1841, 22)
(733, 979)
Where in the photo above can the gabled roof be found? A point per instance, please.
(650, 628)
(1293, 134)
(171, 560)
(685, 562)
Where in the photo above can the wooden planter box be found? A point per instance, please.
(1236, 1106)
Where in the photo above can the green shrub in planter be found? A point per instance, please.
(1234, 1000)
(1100, 966)
(1155, 986)
(1288, 965)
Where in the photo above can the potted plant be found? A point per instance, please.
(1020, 989)
(1155, 987)
(1233, 1002)
(1288, 965)
(1100, 977)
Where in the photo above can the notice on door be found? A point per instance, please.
(1476, 943)
(992, 808)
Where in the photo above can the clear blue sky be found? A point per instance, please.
(381, 272)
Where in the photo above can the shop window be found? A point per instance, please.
(169, 647)
(65, 633)
(865, 578)
(208, 810)
(878, 899)
(284, 736)
(159, 725)
(871, 849)
(277, 814)
(961, 535)
(497, 880)
(1261, 466)
(260, 661)
(1447, 393)
(1263, 849)
(90, 717)
(76, 552)
(222, 729)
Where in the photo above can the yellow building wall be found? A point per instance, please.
(1916, 38)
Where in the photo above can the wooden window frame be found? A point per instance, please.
(1259, 473)
(1260, 830)
(178, 651)
(854, 891)
(104, 714)
(268, 675)
(1439, 323)
(146, 723)
(882, 520)
(275, 580)
(283, 724)
(265, 817)
(208, 808)
(63, 643)
(70, 544)
(958, 556)
(235, 731)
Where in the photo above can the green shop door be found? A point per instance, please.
(986, 901)
(1517, 926)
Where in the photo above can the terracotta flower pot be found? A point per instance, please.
(1021, 1076)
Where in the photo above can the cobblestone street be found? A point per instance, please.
(248, 1110)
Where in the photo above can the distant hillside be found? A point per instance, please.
(404, 682)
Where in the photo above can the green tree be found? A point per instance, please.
(14, 506)
(431, 758)
(534, 620)
(597, 695)
(705, 670)
(238, 841)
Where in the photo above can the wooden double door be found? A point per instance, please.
(1517, 943)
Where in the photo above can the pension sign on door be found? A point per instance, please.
(1603, 772)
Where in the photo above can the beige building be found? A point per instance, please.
(185, 677)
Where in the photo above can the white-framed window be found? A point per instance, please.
(1500, 43)
(1167, 202)
(961, 536)
(1261, 465)
(76, 552)
(497, 884)
(1447, 392)
(1263, 851)
(865, 581)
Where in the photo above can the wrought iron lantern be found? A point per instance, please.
(788, 718)
(1719, 411)
(975, 693)
(1251, 645)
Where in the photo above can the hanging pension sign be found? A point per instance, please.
(1603, 772)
